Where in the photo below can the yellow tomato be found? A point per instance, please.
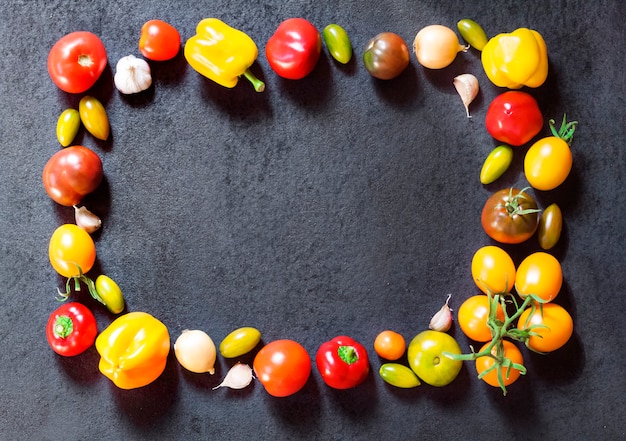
(71, 250)
(547, 163)
(539, 274)
(553, 326)
(67, 126)
(94, 117)
(493, 270)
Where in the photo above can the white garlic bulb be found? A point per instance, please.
(132, 75)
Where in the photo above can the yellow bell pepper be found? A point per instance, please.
(222, 53)
(516, 60)
(133, 350)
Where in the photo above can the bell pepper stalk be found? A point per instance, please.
(222, 53)
(294, 49)
(516, 60)
(342, 362)
(133, 350)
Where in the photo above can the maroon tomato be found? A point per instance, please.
(514, 117)
(72, 173)
(76, 61)
(510, 216)
(159, 41)
(283, 367)
(342, 362)
(71, 329)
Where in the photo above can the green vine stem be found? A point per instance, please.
(566, 131)
(76, 280)
(501, 330)
(513, 206)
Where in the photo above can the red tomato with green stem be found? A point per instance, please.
(510, 216)
(71, 329)
(283, 367)
(159, 40)
(71, 174)
(514, 117)
(76, 61)
(342, 362)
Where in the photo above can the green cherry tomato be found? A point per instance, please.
(110, 294)
(338, 43)
(67, 126)
(496, 163)
(472, 33)
(94, 117)
(399, 375)
(427, 359)
(240, 342)
(550, 227)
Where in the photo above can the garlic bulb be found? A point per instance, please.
(86, 220)
(467, 87)
(442, 320)
(132, 75)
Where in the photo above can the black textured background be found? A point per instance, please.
(336, 204)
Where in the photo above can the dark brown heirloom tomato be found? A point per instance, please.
(386, 56)
(510, 216)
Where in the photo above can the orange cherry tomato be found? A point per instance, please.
(554, 326)
(493, 270)
(472, 317)
(71, 250)
(509, 376)
(389, 345)
(539, 274)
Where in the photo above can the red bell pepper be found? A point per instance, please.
(342, 362)
(294, 49)
(71, 329)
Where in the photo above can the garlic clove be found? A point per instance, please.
(442, 320)
(86, 220)
(467, 87)
(132, 75)
(238, 377)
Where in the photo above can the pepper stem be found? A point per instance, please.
(348, 354)
(259, 85)
(63, 326)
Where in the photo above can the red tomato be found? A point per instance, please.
(71, 329)
(72, 173)
(159, 41)
(552, 324)
(76, 61)
(510, 216)
(514, 117)
(473, 315)
(505, 375)
(283, 367)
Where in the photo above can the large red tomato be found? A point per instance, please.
(76, 61)
(514, 117)
(283, 367)
(72, 173)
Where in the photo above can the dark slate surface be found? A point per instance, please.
(337, 204)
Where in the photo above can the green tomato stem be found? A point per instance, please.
(566, 131)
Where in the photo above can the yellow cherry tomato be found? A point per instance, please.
(539, 274)
(552, 324)
(67, 126)
(399, 375)
(110, 294)
(71, 250)
(94, 117)
(496, 163)
(472, 33)
(493, 270)
(240, 342)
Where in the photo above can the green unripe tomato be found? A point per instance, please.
(472, 33)
(426, 355)
(496, 163)
(338, 43)
(399, 375)
(67, 126)
(550, 227)
(110, 294)
(240, 342)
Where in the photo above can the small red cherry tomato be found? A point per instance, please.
(71, 329)
(342, 362)
(76, 61)
(514, 117)
(159, 41)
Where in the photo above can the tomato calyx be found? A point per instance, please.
(566, 131)
(514, 203)
(85, 60)
(76, 280)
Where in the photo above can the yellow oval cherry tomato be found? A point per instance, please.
(71, 250)
(94, 117)
(550, 227)
(399, 375)
(110, 294)
(240, 342)
(67, 126)
(496, 163)
(539, 274)
(493, 270)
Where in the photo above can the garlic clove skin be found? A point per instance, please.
(86, 220)
(467, 87)
(442, 320)
(132, 75)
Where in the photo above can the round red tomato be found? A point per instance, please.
(76, 61)
(72, 173)
(510, 216)
(514, 117)
(283, 367)
(159, 41)
(71, 329)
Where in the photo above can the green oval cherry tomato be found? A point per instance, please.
(399, 375)
(240, 342)
(67, 126)
(496, 163)
(427, 359)
(550, 226)
(94, 117)
(338, 43)
(110, 294)
(472, 33)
